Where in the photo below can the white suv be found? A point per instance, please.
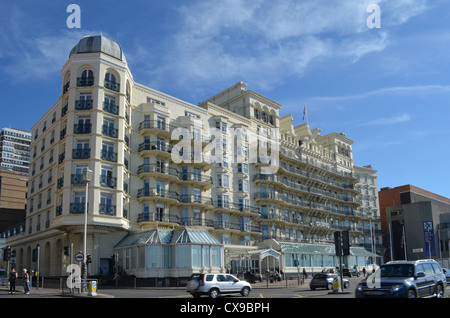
(214, 285)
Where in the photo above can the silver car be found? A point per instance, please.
(215, 285)
(325, 280)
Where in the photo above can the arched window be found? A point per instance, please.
(86, 78)
(111, 82)
(66, 83)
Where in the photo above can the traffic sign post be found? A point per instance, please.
(79, 257)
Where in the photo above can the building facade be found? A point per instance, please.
(225, 185)
(369, 209)
(15, 150)
(416, 224)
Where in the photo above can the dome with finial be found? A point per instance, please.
(98, 43)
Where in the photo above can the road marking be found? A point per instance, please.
(261, 296)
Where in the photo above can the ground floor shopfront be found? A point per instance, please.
(179, 253)
(176, 254)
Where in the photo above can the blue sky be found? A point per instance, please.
(386, 88)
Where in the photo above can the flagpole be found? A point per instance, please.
(305, 114)
(404, 242)
(390, 243)
(372, 239)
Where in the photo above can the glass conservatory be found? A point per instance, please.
(169, 253)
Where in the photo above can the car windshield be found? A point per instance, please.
(397, 270)
(322, 276)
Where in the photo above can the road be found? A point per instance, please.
(259, 292)
(280, 291)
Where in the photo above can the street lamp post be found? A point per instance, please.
(87, 176)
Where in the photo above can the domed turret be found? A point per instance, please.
(98, 43)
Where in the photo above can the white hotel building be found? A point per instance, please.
(164, 217)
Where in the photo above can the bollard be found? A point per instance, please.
(337, 285)
(92, 288)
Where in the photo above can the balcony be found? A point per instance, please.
(195, 177)
(85, 81)
(61, 158)
(108, 209)
(77, 179)
(111, 108)
(238, 227)
(158, 192)
(112, 85)
(66, 87)
(158, 217)
(155, 193)
(62, 134)
(173, 219)
(225, 205)
(60, 182)
(82, 128)
(83, 104)
(196, 199)
(148, 169)
(109, 182)
(64, 110)
(236, 207)
(157, 127)
(81, 153)
(109, 156)
(77, 208)
(280, 180)
(110, 131)
(153, 148)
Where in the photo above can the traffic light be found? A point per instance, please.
(35, 255)
(13, 253)
(88, 259)
(345, 243)
(6, 253)
(337, 243)
(67, 250)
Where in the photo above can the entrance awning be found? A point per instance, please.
(263, 253)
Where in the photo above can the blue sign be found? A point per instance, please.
(428, 233)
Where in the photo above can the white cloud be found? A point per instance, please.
(40, 57)
(30, 48)
(388, 121)
(398, 90)
(266, 42)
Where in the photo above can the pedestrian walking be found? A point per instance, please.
(12, 281)
(305, 275)
(26, 282)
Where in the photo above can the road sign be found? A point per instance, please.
(79, 257)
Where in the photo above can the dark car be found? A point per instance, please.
(325, 280)
(447, 274)
(350, 272)
(405, 279)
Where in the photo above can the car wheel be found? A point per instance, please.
(346, 284)
(196, 295)
(214, 293)
(245, 291)
(330, 286)
(411, 294)
(439, 291)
